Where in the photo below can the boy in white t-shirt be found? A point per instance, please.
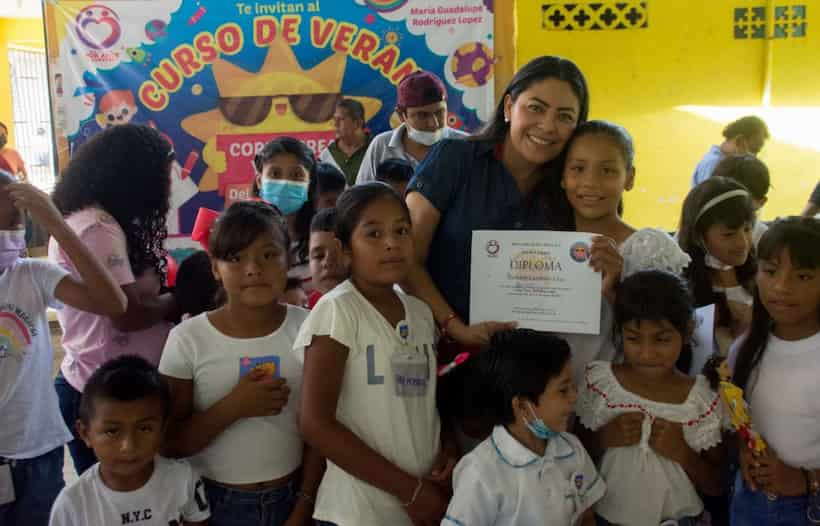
(530, 470)
(32, 433)
(123, 413)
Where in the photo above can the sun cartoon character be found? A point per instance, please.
(279, 99)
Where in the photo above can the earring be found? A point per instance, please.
(506, 119)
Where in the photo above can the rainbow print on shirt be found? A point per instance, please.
(15, 332)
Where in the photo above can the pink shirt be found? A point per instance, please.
(89, 339)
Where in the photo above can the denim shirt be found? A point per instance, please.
(472, 190)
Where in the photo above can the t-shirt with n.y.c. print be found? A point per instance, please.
(172, 496)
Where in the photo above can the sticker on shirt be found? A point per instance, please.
(267, 364)
(411, 372)
(16, 332)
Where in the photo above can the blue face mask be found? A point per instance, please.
(287, 196)
(538, 428)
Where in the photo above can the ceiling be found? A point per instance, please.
(20, 8)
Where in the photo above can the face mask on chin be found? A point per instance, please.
(427, 138)
(12, 247)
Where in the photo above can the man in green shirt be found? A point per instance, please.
(347, 151)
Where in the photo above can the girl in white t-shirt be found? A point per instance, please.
(778, 364)
(368, 400)
(235, 381)
(529, 470)
(33, 433)
(659, 429)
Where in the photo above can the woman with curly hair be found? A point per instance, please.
(115, 196)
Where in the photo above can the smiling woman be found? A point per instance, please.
(504, 178)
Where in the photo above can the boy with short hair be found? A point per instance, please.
(326, 260)
(395, 172)
(752, 173)
(123, 413)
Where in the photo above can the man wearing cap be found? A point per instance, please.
(422, 108)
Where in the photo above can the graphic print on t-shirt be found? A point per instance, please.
(16, 332)
(267, 364)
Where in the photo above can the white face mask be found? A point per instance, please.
(714, 263)
(427, 138)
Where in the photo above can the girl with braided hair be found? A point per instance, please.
(115, 196)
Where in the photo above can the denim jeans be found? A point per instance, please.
(69, 398)
(686, 521)
(37, 482)
(235, 507)
(753, 508)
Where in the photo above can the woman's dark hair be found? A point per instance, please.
(126, 171)
(656, 295)
(329, 179)
(734, 213)
(196, 287)
(710, 370)
(354, 109)
(801, 237)
(520, 363)
(353, 202)
(618, 134)
(289, 145)
(747, 170)
(239, 226)
(548, 191)
(394, 171)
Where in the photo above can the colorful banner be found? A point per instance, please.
(220, 78)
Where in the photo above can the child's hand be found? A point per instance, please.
(38, 203)
(443, 466)
(258, 394)
(479, 333)
(606, 259)
(667, 440)
(748, 460)
(429, 507)
(771, 475)
(622, 431)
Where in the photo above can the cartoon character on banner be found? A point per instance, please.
(183, 187)
(280, 98)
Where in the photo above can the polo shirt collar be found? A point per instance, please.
(515, 454)
(396, 136)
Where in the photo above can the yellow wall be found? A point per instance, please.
(26, 32)
(687, 57)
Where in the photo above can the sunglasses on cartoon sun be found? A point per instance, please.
(249, 111)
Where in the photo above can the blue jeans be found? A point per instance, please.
(69, 398)
(686, 521)
(753, 508)
(235, 507)
(37, 482)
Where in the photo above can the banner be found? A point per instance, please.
(220, 78)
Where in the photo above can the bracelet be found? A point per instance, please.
(416, 493)
(446, 323)
(305, 496)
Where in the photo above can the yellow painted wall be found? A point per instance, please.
(688, 56)
(26, 32)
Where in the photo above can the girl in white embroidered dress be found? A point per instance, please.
(658, 429)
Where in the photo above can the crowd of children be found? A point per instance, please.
(300, 382)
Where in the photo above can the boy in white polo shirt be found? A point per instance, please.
(530, 470)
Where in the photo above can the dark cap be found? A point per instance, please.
(420, 88)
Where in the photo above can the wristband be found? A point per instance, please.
(416, 493)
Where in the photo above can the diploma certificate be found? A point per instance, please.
(540, 279)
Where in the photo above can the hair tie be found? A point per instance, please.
(203, 223)
(711, 203)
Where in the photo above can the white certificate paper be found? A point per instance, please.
(540, 279)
